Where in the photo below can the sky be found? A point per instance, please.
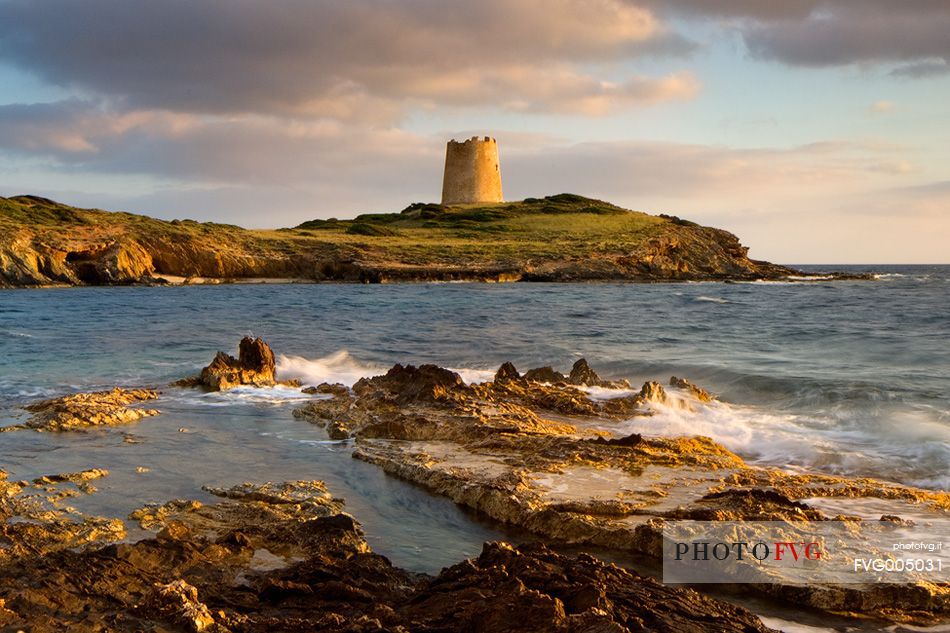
(818, 131)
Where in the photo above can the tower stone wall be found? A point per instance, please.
(472, 172)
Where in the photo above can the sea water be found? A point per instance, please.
(846, 377)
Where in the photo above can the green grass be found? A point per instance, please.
(564, 225)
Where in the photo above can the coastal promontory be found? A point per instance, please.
(561, 238)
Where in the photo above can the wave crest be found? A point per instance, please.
(339, 367)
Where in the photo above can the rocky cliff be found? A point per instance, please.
(558, 238)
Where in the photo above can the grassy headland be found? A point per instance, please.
(558, 238)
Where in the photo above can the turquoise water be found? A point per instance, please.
(845, 377)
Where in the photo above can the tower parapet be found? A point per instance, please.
(472, 172)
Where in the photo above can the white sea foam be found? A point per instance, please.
(907, 446)
(339, 367)
(769, 282)
(16, 333)
(310, 442)
(903, 445)
(602, 393)
(20, 390)
(789, 626)
(472, 376)
(716, 420)
(245, 394)
(711, 299)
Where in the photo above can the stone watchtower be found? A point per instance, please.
(472, 173)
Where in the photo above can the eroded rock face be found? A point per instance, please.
(255, 365)
(285, 557)
(83, 410)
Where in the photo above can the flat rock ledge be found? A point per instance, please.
(545, 451)
(286, 557)
(85, 410)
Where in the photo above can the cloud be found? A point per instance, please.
(73, 130)
(824, 201)
(343, 60)
(820, 33)
(918, 70)
(663, 173)
(773, 10)
(853, 35)
(832, 201)
(245, 149)
(268, 150)
(269, 113)
(563, 91)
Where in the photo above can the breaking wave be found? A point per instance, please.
(339, 367)
(247, 395)
(908, 445)
(342, 367)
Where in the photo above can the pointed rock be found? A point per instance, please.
(700, 393)
(653, 392)
(582, 374)
(507, 373)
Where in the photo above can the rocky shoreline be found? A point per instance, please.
(286, 557)
(539, 450)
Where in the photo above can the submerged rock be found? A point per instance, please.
(34, 522)
(83, 410)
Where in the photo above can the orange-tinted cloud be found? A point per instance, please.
(342, 60)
